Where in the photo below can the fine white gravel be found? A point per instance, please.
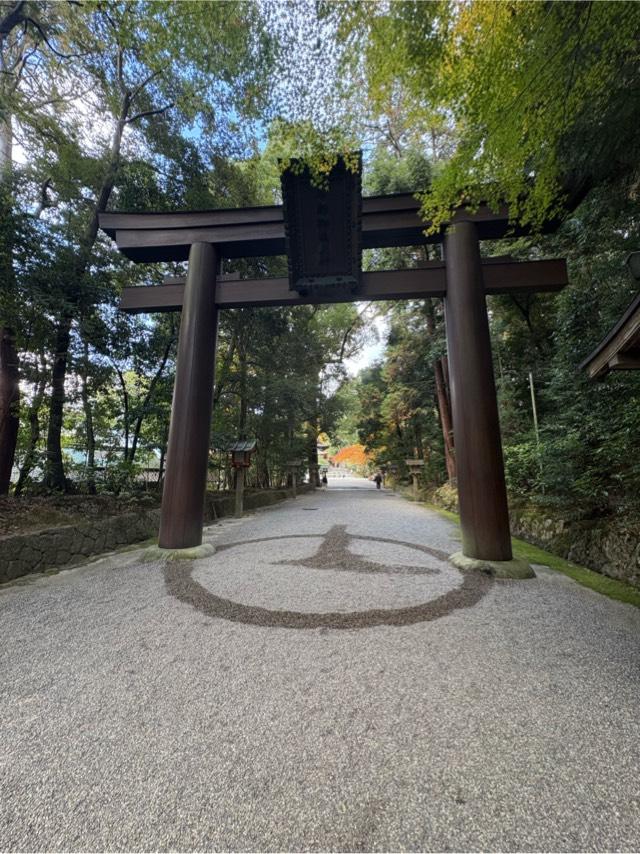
(131, 720)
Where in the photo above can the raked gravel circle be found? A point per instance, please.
(132, 719)
(389, 587)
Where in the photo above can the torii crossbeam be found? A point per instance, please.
(463, 280)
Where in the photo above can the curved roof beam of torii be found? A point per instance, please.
(246, 232)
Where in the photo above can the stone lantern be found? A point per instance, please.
(241, 460)
(293, 466)
(414, 467)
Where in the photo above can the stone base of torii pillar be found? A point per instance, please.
(514, 568)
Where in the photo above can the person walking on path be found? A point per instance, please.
(378, 480)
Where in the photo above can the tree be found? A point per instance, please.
(543, 97)
(31, 37)
(351, 455)
(152, 72)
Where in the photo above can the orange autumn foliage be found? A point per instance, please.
(352, 455)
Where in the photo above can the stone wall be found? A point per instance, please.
(64, 545)
(609, 545)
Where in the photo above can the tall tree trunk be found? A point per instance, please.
(88, 424)
(441, 371)
(9, 406)
(54, 477)
(242, 359)
(163, 455)
(54, 474)
(34, 428)
(417, 437)
(263, 472)
(125, 411)
(9, 365)
(444, 408)
(15, 14)
(312, 455)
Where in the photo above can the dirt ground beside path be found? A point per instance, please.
(35, 513)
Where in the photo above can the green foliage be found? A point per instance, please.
(121, 476)
(391, 172)
(299, 146)
(588, 450)
(397, 399)
(522, 468)
(542, 96)
(280, 374)
(135, 104)
(398, 413)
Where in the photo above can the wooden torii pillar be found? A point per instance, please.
(185, 479)
(464, 280)
(482, 493)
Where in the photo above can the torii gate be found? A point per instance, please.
(344, 222)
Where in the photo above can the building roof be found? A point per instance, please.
(244, 445)
(619, 350)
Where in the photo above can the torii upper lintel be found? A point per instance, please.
(387, 221)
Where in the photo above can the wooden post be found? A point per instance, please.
(239, 491)
(484, 516)
(441, 372)
(188, 448)
(314, 475)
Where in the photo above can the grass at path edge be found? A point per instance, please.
(610, 587)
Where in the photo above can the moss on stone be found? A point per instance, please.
(610, 587)
(603, 584)
(154, 554)
(515, 568)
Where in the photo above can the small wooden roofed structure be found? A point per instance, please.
(619, 350)
(243, 446)
(241, 452)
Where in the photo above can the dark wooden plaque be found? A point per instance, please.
(323, 227)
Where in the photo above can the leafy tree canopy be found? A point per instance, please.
(543, 97)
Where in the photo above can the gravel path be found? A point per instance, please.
(390, 708)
